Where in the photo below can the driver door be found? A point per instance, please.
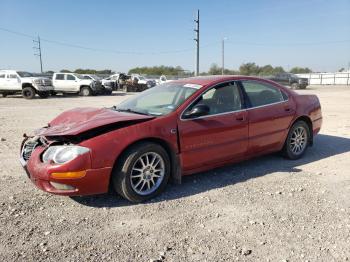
(220, 136)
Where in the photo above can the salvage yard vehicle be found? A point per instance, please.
(74, 83)
(107, 89)
(288, 79)
(143, 81)
(14, 82)
(174, 129)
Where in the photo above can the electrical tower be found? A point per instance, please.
(37, 47)
(197, 43)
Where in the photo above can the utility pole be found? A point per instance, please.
(223, 56)
(197, 43)
(37, 47)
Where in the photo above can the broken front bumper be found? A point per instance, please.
(94, 181)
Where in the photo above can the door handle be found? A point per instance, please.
(287, 109)
(240, 118)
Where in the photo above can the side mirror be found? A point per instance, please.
(197, 111)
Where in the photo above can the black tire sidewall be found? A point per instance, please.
(28, 89)
(121, 178)
(287, 151)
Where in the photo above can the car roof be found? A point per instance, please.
(8, 71)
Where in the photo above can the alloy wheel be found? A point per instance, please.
(147, 173)
(298, 140)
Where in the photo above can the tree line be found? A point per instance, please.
(245, 69)
(256, 70)
(89, 71)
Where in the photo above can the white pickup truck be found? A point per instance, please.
(75, 83)
(14, 82)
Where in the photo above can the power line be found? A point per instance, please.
(97, 49)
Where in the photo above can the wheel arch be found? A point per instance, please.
(82, 86)
(28, 85)
(175, 175)
(308, 121)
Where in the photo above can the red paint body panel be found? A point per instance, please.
(200, 144)
(78, 120)
(214, 139)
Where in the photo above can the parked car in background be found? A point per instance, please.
(107, 89)
(166, 132)
(75, 83)
(107, 82)
(15, 82)
(162, 79)
(289, 79)
(142, 80)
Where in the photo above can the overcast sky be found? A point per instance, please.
(119, 35)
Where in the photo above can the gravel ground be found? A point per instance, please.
(265, 209)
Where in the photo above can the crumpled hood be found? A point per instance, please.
(79, 120)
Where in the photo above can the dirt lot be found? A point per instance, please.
(266, 209)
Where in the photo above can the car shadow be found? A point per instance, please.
(324, 146)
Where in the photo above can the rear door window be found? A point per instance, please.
(59, 77)
(261, 94)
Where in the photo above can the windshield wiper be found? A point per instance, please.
(129, 110)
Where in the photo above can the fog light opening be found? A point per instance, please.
(60, 186)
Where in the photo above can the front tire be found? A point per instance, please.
(28, 93)
(297, 141)
(85, 91)
(142, 172)
(4, 94)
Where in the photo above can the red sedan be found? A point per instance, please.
(175, 129)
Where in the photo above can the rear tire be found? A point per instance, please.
(142, 172)
(85, 91)
(297, 141)
(4, 94)
(44, 94)
(28, 93)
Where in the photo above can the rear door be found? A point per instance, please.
(58, 82)
(270, 114)
(71, 83)
(220, 136)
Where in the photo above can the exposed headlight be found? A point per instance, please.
(63, 154)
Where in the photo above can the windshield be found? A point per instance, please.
(79, 76)
(95, 77)
(24, 74)
(159, 100)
